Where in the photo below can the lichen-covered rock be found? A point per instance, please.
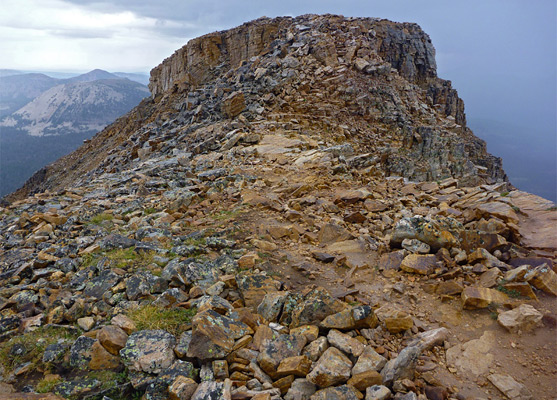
(254, 287)
(346, 343)
(273, 351)
(316, 306)
(80, 352)
(149, 351)
(214, 335)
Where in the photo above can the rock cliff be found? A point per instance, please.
(364, 81)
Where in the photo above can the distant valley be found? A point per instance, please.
(43, 118)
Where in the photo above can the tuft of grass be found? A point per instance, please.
(172, 320)
(121, 258)
(515, 294)
(100, 218)
(34, 343)
(47, 384)
(109, 379)
(554, 208)
(149, 210)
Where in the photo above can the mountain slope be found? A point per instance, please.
(371, 82)
(18, 90)
(81, 106)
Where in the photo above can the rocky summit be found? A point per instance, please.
(299, 211)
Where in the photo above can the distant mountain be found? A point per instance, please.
(94, 75)
(9, 72)
(141, 78)
(18, 90)
(78, 106)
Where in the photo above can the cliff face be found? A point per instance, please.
(365, 82)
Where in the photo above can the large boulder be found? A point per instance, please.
(436, 231)
(149, 351)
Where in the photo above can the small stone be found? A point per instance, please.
(542, 277)
(283, 384)
(369, 360)
(220, 369)
(378, 392)
(315, 349)
(86, 323)
(358, 317)
(112, 338)
(102, 359)
(301, 389)
(124, 322)
(365, 379)
(182, 388)
(311, 332)
(297, 366)
(415, 246)
(343, 392)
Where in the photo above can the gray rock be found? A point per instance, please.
(378, 392)
(301, 389)
(149, 351)
(415, 246)
(343, 392)
(80, 352)
(209, 390)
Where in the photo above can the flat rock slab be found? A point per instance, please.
(511, 388)
(479, 297)
(538, 227)
(473, 357)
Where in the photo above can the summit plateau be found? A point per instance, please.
(298, 211)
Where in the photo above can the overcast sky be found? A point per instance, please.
(500, 54)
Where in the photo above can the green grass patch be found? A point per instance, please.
(100, 218)
(47, 384)
(172, 320)
(509, 292)
(34, 344)
(109, 379)
(121, 258)
(149, 210)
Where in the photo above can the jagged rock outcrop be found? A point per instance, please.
(368, 82)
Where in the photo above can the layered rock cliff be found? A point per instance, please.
(368, 82)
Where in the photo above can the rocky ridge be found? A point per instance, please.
(243, 237)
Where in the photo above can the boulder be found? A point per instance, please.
(254, 287)
(437, 232)
(214, 335)
(346, 343)
(315, 307)
(149, 351)
(479, 297)
(332, 368)
(273, 351)
(358, 317)
(523, 318)
(112, 338)
(422, 264)
(369, 360)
